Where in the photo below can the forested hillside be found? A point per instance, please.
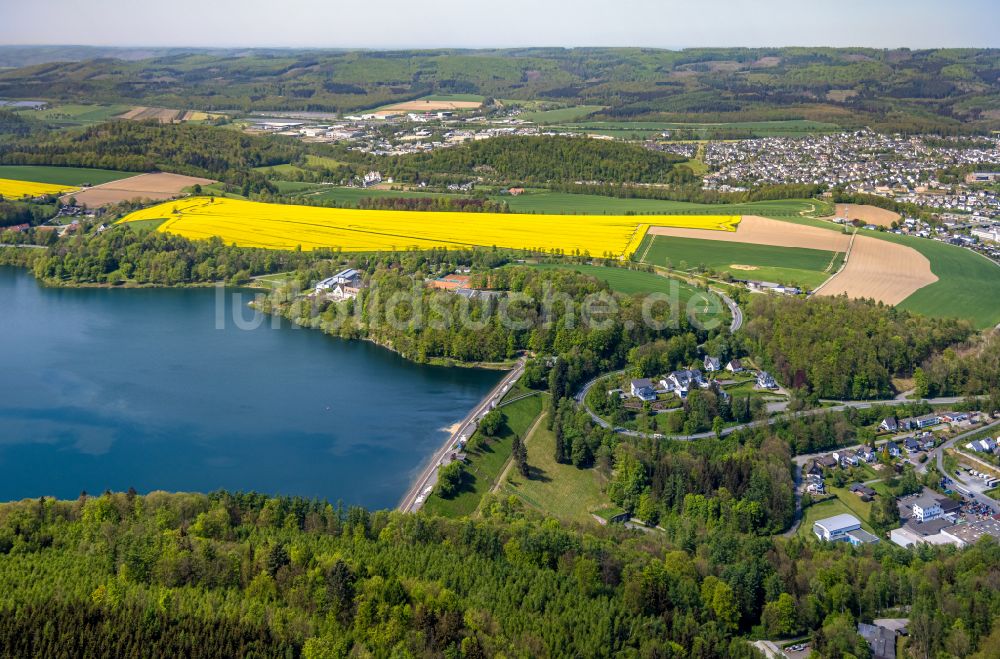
(840, 348)
(893, 89)
(543, 160)
(141, 147)
(243, 575)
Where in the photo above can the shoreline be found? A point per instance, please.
(427, 478)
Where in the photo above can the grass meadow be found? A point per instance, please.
(487, 462)
(968, 283)
(787, 265)
(556, 490)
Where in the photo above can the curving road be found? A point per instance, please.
(838, 407)
(412, 501)
(734, 309)
(938, 456)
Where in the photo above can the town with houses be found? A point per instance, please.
(904, 168)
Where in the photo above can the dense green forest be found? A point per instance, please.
(840, 348)
(968, 369)
(148, 146)
(948, 90)
(542, 160)
(246, 575)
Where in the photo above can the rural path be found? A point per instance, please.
(412, 501)
(510, 461)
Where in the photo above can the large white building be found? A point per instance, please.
(926, 508)
(836, 528)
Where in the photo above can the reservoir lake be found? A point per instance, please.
(110, 389)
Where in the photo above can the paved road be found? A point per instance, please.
(839, 406)
(428, 477)
(938, 455)
(734, 309)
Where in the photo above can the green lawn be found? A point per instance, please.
(802, 267)
(556, 490)
(825, 509)
(487, 463)
(968, 283)
(564, 202)
(61, 175)
(859, 508)
(574, 113)
(630, 282)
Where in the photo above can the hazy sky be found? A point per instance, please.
(490, 23)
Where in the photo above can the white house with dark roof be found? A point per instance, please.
(734, 366)
(765, 381)
(642, 389)
(712, 364)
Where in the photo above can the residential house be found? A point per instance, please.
(926, 421)
(985, 445)
(734, 366)
(911, 445)
(846, 457)
(681, 382)
(813, 468)
(862, 490)
(642, 389)
(765, 381)
(892, 448)
(712, 364)
(882, 641)
(829, 461)
(866, 453)
(889, 424)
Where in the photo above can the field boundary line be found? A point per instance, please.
(847, 256)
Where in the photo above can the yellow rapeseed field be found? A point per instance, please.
(10, 189)
(280, 226)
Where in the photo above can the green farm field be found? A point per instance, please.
(352, 195)
(487, 462)
(630, 282)
(968, 283)
(789, 128)
(61, 175)
(564, 202)
(556, 490)
(799, 266)
(560, 115)
(76, 115)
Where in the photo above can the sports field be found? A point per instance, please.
(279, 226)
(803, 267)
(73, 177)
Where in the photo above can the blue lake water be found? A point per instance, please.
(107, 389)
